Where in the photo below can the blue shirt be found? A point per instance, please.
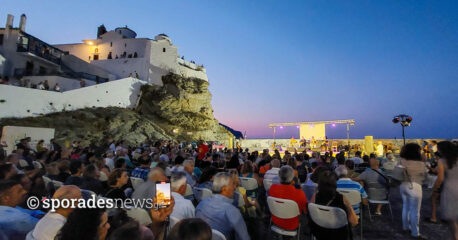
(139, 172)
(207, 184)
(221, 215)
(347, 183)
(14, 223)
(190, 180)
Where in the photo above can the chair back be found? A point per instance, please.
(352, 195)
(136, 181)
(249, 183)
(46, 180)
(173, 221)
(327, 217)
(188, 191)
(217, 235)
(57, 184)
(87, 194)
(309, 190)
(37, 165)
(283, 208)
(267, 183)
(139, 214)
(202, 193)
(240, 199)
(375, 191)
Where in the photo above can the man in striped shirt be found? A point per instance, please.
(346, 183)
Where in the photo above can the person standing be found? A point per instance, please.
(448, 175)
(411, 192)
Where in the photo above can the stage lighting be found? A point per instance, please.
(409, 119)
(405, 122)
(333, 125)
(281, 127)
(396, 120)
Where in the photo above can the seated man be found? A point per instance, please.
(14, 223)
(188, 168)
(76, 169)
(143, 170)
(219, 212)
(286, 190)
(375, 182)
(183, 207)
(48, 227)
(390, 164)
(147, 189)
(346, 183)
(272, 174)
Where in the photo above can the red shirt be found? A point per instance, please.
(292, 193)
(203, 149)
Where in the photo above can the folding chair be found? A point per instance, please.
(284, 208)
(136, 182)
(354, 197)
(327, 217)
(172, 222)
(377, 191)
(240, 199)
(267, 183)
(188, 192)
(87, 194)
(217, 235)
(201, 193)
(309, 190)
(251, 186)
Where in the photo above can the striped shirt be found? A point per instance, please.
(347, 183)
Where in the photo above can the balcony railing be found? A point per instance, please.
(29, 43)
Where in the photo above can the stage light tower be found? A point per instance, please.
(405, 122)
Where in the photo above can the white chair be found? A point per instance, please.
(188, 191)
(57, 184)
(267, 184)
(309, 190)
(37, 165)
(327, 217)
(103, 177)
(172, 222)
(284, 208)
(136, 182)
(250, 184)
(46, 180)
(217, 235)
(139, 214)
(202, 193)
(354, 198)
(241, 200)
(378, 191)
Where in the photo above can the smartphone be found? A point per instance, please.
(163, 194)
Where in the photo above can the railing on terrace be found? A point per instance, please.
(31, 44)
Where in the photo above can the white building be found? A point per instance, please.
(121, 53)
(27, 58)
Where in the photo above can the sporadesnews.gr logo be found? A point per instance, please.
(93, 202)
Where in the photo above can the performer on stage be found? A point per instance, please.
(312, 143)
(303, 142)
(292, 142)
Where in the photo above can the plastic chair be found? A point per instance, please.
(87, 194)
(267, 184)
(139, 214)
(284, 208)
(202, 193)
(309, 190)
(378, 191)
(136, 182)
(37, 165)
(172, 222)
(188, 191)
(57, 184)
(354, 197)
(327, 217)
(217, 235)
(46, 180)
(240, 200)
(251, 186)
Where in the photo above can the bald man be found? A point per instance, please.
(147, 189)
(48, 227)
(272, 174)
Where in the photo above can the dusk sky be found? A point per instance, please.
(286, 61)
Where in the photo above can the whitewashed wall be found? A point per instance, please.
(13, 134)
(124, 66)
(26, 102)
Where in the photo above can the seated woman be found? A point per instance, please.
(327, 195)
(206, 179)
(249, 204)
(247, 171)
(116, 180)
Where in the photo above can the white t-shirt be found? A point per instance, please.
(48, 227)
(272, 174)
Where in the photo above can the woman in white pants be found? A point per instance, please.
(411, 191)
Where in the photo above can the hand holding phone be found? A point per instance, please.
(163, 194)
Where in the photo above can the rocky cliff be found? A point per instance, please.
(180, 109)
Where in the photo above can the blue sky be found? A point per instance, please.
(286, 61)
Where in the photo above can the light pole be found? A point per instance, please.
(405, 122)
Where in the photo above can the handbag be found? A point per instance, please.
(398, 174)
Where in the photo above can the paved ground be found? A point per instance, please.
(381, 227)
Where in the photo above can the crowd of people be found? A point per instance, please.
(112, 169)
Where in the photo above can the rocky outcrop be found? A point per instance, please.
(180, 109)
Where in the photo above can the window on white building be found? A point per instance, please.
(163, 49)
(111, 44)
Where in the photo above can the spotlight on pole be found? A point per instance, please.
(405, 122)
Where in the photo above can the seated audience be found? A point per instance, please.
(85, 223)
(375, 182)
(346, 183)
(48, 227)
(286, 190)
(183, 207)
(144, 168)
(147, 189)
(188, 168)
(206, 179)
(14, 223)
(351, 169)
(91, 180)
(76, 170)
(117, 180)
(190, 229)
(219, 212)
(272, 174)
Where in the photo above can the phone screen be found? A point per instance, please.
(163, 194)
